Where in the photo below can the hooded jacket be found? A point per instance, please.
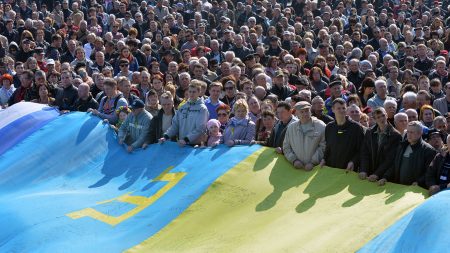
(189, 122)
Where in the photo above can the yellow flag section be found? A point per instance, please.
(263, 204)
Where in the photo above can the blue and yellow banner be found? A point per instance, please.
(66, 185)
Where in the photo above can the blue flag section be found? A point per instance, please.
(425, 229)
(69, 187)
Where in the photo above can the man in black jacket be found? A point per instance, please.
(279, 87)
(344, 138)
(85, 100)
(378, 149)
(411, 160)
(68, 94)
(163, 120)
(284, 114)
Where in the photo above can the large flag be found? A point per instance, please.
(66, 185)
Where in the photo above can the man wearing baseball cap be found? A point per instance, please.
(304, 142)
(133, 132)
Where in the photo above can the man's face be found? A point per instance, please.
(283, 114)
(336, 91)
(99, 58)
(193, 93)
(440, 125)
(125, 87)
(354, 113)
(413, 134)
(339, 109)
(304, 114)
(381, 119)
(401, 122)
(83, 91)
(214, 92)
(109, 91)
(353, 66)
(198, 72)
(393, 73)
(66, 80)
(381, 89)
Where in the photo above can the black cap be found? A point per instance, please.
(249, 57)
(335, 83)
(273, 38)
(137, 104)
(431, 132)
(38, 50)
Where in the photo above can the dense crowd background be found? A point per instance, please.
(359, 85)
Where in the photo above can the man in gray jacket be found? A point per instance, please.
(304, 142)
(135, 128)
(189, 123)
(442, 104)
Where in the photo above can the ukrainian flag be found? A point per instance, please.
(67, 186)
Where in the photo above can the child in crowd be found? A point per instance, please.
(212, 137)
(122, 114)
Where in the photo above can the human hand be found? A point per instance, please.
(309, 166)
(298, 164)
(350, 167)
(372, 178)
(130, 149)
(322, 163)
(161, 140)
(181, 143)
(120, 142)
(144, 146)
(279, 150)
(434, 189)
(382, 182)
(362, 175)
(230, 143)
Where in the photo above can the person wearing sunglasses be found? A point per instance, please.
(124, 69)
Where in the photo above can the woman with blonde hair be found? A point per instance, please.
(240, 130)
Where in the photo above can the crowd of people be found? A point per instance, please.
(360, 85)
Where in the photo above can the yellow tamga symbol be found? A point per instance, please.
(141, 202)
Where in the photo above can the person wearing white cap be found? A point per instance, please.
(304, 142)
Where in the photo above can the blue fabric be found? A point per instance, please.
(425, 229)
(22, 127)
(74, 163)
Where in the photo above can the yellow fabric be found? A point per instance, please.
(265, 205)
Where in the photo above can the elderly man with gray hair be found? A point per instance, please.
(411, 159)
(380, 96)
(304, 142)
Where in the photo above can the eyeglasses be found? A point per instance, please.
(115, 26)
(124, 65)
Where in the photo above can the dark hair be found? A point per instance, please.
(267, 114)
(285, 105)
(29, 74)
(110, 82)
(338, 101)
(151, 92)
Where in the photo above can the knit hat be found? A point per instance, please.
(213, 122)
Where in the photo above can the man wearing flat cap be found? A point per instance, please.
(279, 87)
(304, 142)
(135, 128)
